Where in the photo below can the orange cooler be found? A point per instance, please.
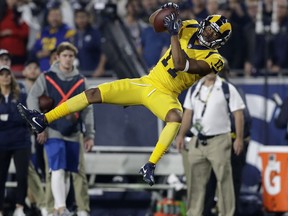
(275, 178)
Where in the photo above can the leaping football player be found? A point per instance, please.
(192, 54)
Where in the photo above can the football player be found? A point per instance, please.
(192, 54)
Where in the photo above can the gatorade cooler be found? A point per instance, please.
(275, 178)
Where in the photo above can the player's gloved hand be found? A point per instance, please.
(171, 5)
(172, 23)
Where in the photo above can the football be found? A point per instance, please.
(159, 19)
(46, 103)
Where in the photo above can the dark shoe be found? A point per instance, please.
(147, 171)
(35, 119)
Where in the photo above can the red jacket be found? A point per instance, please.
(15, 43)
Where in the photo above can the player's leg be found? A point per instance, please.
(74, 104)
(120, 92)
(173, 122)
(168, 109)
(39, 121)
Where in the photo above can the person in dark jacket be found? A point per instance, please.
(15, 138)
(88, 42)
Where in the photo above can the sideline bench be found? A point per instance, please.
(124, 161)
(127, 161)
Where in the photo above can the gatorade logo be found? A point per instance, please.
(272, 178)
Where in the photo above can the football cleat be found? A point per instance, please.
(35, 119)
(147, 171)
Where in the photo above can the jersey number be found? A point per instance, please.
(219, 65)
(171, 71)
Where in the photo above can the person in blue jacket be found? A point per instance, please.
(87, 39)
(15, 138)
(50, 37)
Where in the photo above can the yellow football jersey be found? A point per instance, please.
(166, 78)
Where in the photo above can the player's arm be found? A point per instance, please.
(182, 63)
(180, 59)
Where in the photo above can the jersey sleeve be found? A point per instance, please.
(215, 61)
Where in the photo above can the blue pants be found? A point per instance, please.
(62, 154)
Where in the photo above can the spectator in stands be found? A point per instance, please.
(268, 9)
(186, 11)
(67, 10)
(279, 43)
(53, 56)
(133, 23)
(154, 45)
(238, 11)
(13, 33)
(88, 42)
(212, 7)
(5, 58)
(50, 37)
(182, 64)
(63, 138)
(31, 15)
(255, 42)
(199, 9)
(30, 73)
(148, 7)
(15, 139)
(236, 42)
(207, 116)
